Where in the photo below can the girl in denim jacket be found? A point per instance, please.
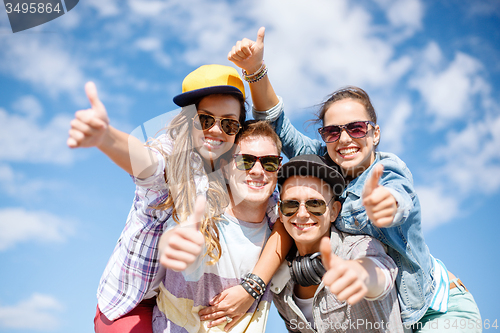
(380, 199)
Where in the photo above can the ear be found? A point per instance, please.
(335, 208)
(376, 135)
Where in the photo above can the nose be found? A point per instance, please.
(217, 128)
(344, 137)
(257, 169)
(302, 212)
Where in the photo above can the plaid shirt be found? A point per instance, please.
(129, 276)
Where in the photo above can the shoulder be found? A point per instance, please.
(393, 164)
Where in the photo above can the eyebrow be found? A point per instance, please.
(224, 116)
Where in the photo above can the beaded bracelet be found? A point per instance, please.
(257, 76)
(245, 74)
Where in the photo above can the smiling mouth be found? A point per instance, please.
(303, 226)
(212, 143)
(257, 184)
(348, 151)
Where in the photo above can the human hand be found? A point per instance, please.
(181, 245)
(233, 302)
(346, 279)
(90, 126)
(380, 204)
(248, 54)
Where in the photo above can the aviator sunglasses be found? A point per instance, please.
(316, 207)
(245, 162)
(356, 130)
(227, 125)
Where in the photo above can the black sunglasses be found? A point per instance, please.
(245, 162)
(227, 125)
(356, 130)
(316, 207)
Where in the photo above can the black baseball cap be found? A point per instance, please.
(321, 167)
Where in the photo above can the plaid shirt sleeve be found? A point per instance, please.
(135, 260)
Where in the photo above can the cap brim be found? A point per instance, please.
(191, 97)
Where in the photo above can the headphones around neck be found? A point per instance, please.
(307, 270)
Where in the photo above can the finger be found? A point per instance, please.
(233, 322)
(77, 136)
(181, 255)
(217, 322)
(91, 91)
(326, 250)
(175, 265)
(90, 118)
(372, 181)
(353, 293)
(199, 210)
(216, 314)
(342, 283)
(71, 143)
(260, 36)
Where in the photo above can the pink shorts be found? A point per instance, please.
(139, 320)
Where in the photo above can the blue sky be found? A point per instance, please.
(431, 68)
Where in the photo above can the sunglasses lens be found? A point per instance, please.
(205, 122)
(270, 163)
(316, 207)
(245, 162)
(357, 129)
(289, 207)
(330, 133)
(230, 126)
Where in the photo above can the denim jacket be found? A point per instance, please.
(405, 240)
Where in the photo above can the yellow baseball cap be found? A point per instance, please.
(208, 80)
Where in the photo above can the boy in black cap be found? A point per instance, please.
(334, 282)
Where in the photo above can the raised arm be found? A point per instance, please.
(249, 56)
(91, 128)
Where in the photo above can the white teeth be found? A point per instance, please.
(212, 142)
(348, 151)
(302, 226)
(256, 184)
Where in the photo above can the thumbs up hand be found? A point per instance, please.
(346, 279)
(380, 204)
(90, 126)
(248, 54)
(179, 247)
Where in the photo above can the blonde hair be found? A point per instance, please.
(179, 174)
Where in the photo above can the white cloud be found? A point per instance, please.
(448, 92)
(470, 157)
(43, 62)
(438, 206)
(38, 313)
(25, 140)
(29, 105)
(394, 128)
(106, 8)
(406, 13)
(36, 226)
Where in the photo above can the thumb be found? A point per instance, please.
(326, 252)
(91, 91)
(260, 36)
(372, 182)
(199, 210)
